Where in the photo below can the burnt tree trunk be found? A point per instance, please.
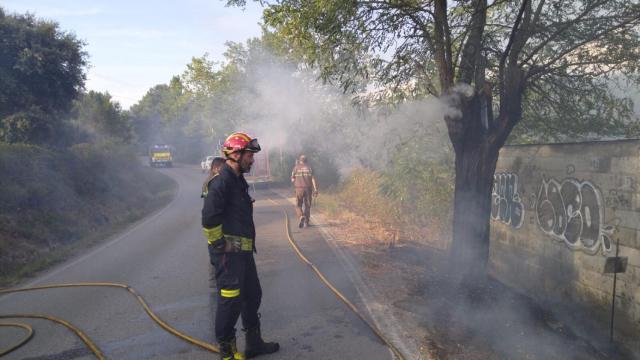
(479, 139)
(476, 135)
(475, 163)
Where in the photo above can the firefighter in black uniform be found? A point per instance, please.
(227, 220)
(216, 164)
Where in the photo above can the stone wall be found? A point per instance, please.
(557, 212)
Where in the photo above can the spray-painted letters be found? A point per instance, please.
(573, 211)
(506, 205)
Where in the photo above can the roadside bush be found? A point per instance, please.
(412, 199)
(52, 198)
(424, 188)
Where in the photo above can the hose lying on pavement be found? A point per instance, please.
(210, 347)
(79, 333)
(85, 339)
(322, 278)
(21, 342)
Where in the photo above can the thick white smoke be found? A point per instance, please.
(289, 108)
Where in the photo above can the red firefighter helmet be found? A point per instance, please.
(240, 141)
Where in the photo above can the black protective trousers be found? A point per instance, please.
(235, 271)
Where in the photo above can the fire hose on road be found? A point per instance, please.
(346, 301)
(94, 349)
(22, 341)
(202, 344)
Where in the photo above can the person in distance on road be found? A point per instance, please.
(306, 187)
(227, 221)
(216, 164)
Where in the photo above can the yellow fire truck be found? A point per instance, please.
(160, 155)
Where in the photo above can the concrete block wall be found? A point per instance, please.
(557, 212)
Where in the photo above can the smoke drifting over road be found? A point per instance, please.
(288, 107)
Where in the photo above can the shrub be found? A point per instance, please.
(412, 198)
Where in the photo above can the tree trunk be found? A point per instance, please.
(475, 164)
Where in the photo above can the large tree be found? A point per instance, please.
(41, 73)
(486, 58)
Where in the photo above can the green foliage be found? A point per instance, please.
(102, 118)
(424, 188)
(147, 115)
(163, 117)
(562, 54)
(208, 100)
(41, 72)
(579, 109)
(30, 126)
(200, 78)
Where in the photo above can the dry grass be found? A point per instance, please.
(372, 218)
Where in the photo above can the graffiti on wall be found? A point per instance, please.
(506, 205)
(619, 199)
(573, 211)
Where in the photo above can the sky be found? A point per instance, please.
(134, 45)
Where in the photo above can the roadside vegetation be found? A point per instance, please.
(404, 203)
(54, 204)
(69, 173)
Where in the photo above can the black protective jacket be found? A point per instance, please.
(228, 203)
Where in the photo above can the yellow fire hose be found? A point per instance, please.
(346, 301)
(85, 339)
(210, 347)
(79, 333)
(21, 342)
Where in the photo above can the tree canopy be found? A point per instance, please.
(549, 52)
(41, 73)
(101, 118)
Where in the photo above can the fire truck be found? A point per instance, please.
(160, 155)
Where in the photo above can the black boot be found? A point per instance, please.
(229, 350)
(256, 346)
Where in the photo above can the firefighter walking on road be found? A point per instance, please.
(227, 220)
(306, 188)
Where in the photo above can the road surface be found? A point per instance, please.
(164, 257)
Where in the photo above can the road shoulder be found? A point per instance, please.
(391, 320)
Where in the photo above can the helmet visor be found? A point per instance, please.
(253, 146)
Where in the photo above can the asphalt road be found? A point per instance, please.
(164, 258)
